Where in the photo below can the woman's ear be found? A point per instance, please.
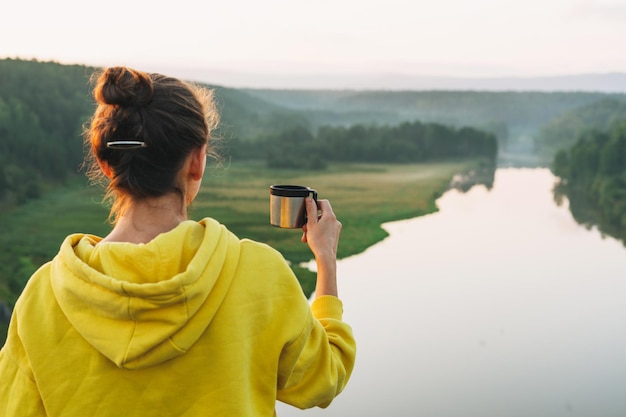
(198, 163)
(106, 169)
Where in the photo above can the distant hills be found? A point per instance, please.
(516, 110)
(600, 82)
(607, 83)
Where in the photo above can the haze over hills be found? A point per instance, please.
(610, 82)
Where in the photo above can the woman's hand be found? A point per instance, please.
(321, 232)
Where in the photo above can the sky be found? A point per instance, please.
(248, 41)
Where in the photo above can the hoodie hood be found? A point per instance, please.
(143, 304)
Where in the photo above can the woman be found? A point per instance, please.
(166, 316)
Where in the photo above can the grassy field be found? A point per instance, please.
(363, 196)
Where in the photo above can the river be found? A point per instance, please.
(498, 305)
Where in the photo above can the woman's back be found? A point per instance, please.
(223, 337)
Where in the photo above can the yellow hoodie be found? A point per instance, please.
(194, 323)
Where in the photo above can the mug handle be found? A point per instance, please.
(314, 192)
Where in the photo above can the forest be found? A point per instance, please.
(405, 143)
(44, 106)
(515, 118)
(592, 174)
(563, 131)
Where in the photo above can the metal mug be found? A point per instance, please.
(287, 208)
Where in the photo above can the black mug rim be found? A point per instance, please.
(285, 190)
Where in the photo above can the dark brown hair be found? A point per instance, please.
(169, 117)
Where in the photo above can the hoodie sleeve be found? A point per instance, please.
(317, 365)
(19, 396)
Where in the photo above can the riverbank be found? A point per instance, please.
(364, 196)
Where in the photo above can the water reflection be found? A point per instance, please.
(498, 305)
(483, 175)
(587, 213)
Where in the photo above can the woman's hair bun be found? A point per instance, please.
(124, 87)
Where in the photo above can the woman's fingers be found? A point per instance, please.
(311, 210)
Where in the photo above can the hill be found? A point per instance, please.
(521, 112)
(43, 106)
(563, 131)
(516, 118)
(610, 82)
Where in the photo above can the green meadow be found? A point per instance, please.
(362, 195)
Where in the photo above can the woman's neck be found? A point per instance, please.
(145, 219)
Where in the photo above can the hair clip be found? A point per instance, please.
(126, 144)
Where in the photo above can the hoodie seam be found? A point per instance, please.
(23, 369)
(186, 302)
(132, 335)
(186, 305)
